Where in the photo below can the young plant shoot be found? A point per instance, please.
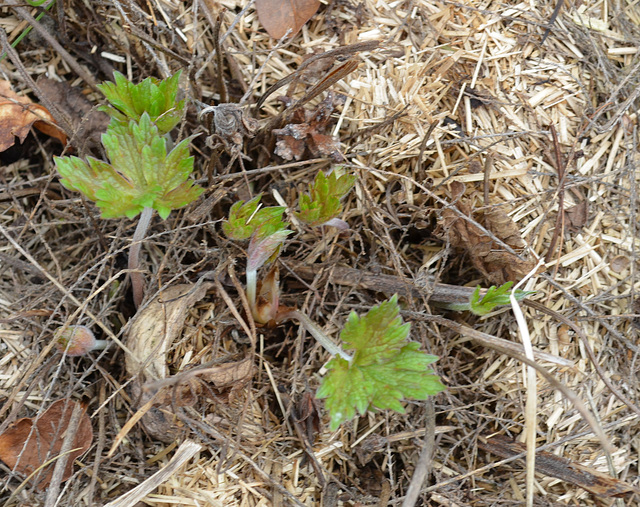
(321, 206)
(128, 101)
(140, 176)
(385, 367)
(267, 232)
(495, 296)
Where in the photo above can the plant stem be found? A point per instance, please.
(316, 332)
(252, 281)
(137, 281)
(100, 345)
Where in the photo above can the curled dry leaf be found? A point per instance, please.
(306, 132)
(155, 328)
(30, 442)
(18, 114)
(488, 257)
(278, 16)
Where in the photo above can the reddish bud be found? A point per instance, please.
(78, 341)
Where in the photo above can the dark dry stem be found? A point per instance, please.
(137, 280)
(316, 332)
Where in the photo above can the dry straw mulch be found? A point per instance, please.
(495, 86)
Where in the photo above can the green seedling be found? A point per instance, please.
(128, 101)
(494, 297)
(140, 177)
(267, 232)
(321, 206)
(385, 366)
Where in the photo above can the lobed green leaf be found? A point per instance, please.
(128, 101)
(386, 368)
(140, 173)
(322, 204)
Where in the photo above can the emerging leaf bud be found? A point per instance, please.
(78, 341)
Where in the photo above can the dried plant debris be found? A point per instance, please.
(496, 263)
(230, 125)
(306, 134)
(87, 121)
(588, 478)
(18, 114)
(281, 16)
(154, 329)
(223, 382)
(33, 441)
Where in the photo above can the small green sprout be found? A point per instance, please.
(322, 205)
(385, 368)
(267, 232)
(494, 296)
(128, 101)
(141, 176)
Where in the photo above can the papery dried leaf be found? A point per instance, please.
(306, 132)
(222, 382)
(289, 148)
(502, 225)
(230, 377)
(489, 258)
(577, 216)
(154, 329)
(25, 448)
(278, 16)
(18, 114)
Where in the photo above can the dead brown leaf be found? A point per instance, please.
(87, 121)
(577, 216)
(278, 16)
(25, 448)
(305, 134)
(17, 116)
(222, 382)
(154, 329)
(493, 261)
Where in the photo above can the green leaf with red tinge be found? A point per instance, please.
(127, 101)
(322, 204)
(140, 174)
(386, 367)
(245, 219)
(278, 16)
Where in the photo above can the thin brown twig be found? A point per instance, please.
(560, 168)
(222, 88)
(24, 15)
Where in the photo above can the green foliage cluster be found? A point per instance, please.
(158, 99)
(386, 367)
(140, 172)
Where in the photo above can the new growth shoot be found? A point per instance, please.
(494, 297)
(141, 175)
(385, 367)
